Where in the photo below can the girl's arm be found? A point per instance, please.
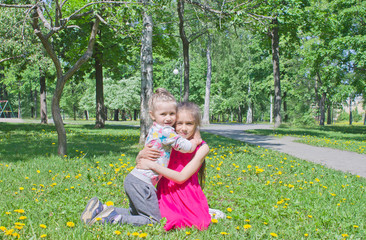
(187, 171)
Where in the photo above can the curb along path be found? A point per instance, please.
(344, 161)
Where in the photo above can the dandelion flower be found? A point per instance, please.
(135, 234)
(247, 226)
(19, 210)
(42, 226)
(70, 224)
(344, 235)
(188, 233)
(214, 220)
(274, 235)
(7, 213)
(117, 232)
(143, 235)
(229, 209)
(223, 233)
(109, 203)
(22, 217)
(43, 236)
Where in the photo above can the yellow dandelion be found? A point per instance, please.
(21, 188)
(22, 217)
(229, 209)
(135, 234)
(2, 228)
(237, 228)
(188, 233)
(344, 235)
(117, 232)
(16, 235)
(7, 213)
(214, 220)
(228, 217)
(70, 224)
(43, 236)
(19, 211)
(142, 235)
(42, 226)
(355, 226)
(38, 171)
(223, 233)
(109, 203)
(274, 235)
(309, 216)
(306, 235)
(247, 226)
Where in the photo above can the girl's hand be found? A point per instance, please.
(197, 137)
(148, 153)
(144, 163)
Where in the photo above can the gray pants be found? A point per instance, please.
(144, 206)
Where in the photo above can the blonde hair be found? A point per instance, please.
(160, 95)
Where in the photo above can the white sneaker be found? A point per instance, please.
(216, 214)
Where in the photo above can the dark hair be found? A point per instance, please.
(196, 113)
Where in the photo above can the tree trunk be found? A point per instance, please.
(135, 115)
(249, 112)
(32, 107)
(100, 115)
(285, 119)
(350, 111)
(115, 118)
(364, 118)
(35, 103)
(329, 115)
(43, 99)
(86, 114)
(276, 72)
(146, 73)
(240, 118)
(56, 115)
(271, 110)
(206, 109)
(185, 43)
(322, 109)
(19, 106)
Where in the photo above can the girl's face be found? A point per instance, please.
(186, 125)
(164, 113)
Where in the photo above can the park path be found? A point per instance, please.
(345, 161)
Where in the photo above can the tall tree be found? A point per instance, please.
(146, 71)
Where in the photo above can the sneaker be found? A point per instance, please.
(108, 215)
(92, 209)
(216, 214)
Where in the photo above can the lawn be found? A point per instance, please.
(265, 194)
(347, 138)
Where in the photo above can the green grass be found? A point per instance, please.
(265, 191)
(347, 138)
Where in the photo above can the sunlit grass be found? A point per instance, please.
(265, 194)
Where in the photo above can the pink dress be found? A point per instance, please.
(183, 205)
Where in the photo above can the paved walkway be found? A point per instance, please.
(345, 161)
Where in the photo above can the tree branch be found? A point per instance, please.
(88, 53)
(11, 58)
(46, 44)
(16, 6)
(197, 35)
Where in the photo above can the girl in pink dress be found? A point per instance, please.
(181, 199)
